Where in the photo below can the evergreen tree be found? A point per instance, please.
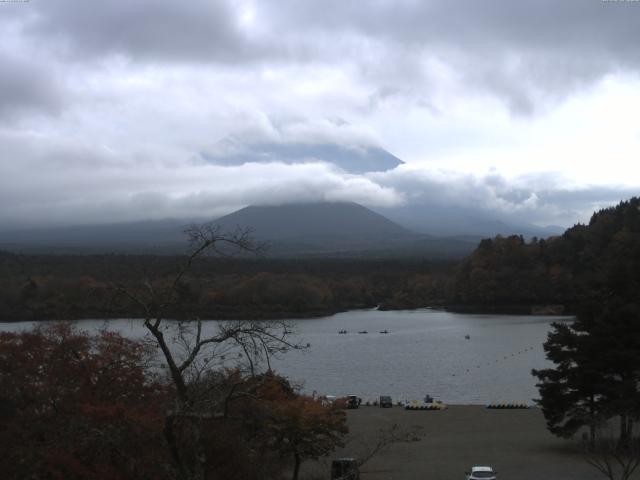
(597, 372)
(614, 330)
(570, 395)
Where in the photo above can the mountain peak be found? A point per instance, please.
(350, 158)
(319, 219)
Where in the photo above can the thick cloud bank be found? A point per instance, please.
(126, 110)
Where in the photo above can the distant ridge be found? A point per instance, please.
(332, 229)
(452, 221)
(154, 236)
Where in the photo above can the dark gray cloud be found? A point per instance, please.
(138, 89)
(520, 50)
(26, 87)
(526, 52)
(144, 29)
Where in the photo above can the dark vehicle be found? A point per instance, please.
(385, 401)
(345, 469)
(353, 401)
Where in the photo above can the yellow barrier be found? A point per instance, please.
(508, 406)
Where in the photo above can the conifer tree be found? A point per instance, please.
(597, 370)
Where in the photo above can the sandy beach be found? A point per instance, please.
(515, 443)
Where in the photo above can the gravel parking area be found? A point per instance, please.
(515, 443)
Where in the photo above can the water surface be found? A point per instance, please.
(425, 352)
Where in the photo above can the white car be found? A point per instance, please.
(481, 473)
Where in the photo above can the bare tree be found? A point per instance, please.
(614, 459)
(190, 349)
(386, 437)
(363, 449)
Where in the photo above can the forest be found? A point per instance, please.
(79, 406)
(41, 287)
(594, 382)
(503, 274)
(563, 271)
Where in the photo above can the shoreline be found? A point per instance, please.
(533, 310)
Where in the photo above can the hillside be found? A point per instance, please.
(338, 229)
(595, 259)
(233, 151)
(452, 221)
(154, 236)
(294, 230)
(304, 220)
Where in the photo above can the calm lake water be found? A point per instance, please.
(425, 352)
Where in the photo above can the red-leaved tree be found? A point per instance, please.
(75, 406)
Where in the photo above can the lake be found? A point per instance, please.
(425, 352)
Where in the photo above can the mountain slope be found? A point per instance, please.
(156, 235)
(293, 230)
(352, 159)
(337, 230)
(462, 221)
(602, 257)
(341, 219)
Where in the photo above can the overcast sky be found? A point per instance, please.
(527, 108)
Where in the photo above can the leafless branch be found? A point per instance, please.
(612, 459)
(195, 400)
(384, 438)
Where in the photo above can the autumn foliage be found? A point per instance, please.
(77, 406)
(296, 427)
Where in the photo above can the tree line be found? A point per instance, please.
(565, 270)
(46, 287)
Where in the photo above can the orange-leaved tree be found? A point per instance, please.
(295, 426)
